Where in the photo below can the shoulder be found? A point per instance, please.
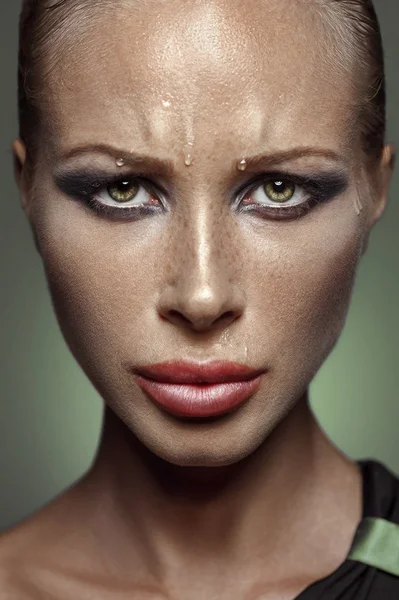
(376, 546)
(30, 554)
(381, 490)
(25, 571)
(48, 556)
(13, 561)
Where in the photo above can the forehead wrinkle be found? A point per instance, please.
(129, 80)
(201, 41)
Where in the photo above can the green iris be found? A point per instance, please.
(123, 191)
(279, 191)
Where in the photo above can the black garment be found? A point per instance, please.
(354, 580)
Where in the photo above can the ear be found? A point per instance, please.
(384, 171)
(23, 180)
(384, 176)
(20, 167)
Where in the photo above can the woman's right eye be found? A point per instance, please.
(125, 193)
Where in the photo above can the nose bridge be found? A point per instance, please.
(206, 264)
(203, 287)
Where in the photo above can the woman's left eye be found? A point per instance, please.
(276, 193)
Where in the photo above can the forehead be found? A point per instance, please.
(155, 76)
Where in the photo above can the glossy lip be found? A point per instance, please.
(199, 389)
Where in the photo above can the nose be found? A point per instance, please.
(203, 293)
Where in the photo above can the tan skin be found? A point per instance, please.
(257, 504)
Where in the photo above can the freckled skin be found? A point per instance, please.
(286, 286)
(205, 281)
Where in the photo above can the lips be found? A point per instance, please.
(199, 390)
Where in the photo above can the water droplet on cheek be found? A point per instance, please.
(358, 205)
(242, 164)
(120, 162)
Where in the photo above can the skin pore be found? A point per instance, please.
(258, 503)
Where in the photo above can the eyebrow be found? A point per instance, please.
(166, 166)
(129, 158)
(275, 158)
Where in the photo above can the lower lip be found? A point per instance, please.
(207, 400)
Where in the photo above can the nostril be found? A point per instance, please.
(227, 316)
(177, 315)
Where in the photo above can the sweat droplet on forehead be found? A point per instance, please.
(188, 159)
(201, 102)
(188, 154)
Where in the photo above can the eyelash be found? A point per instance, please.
(119, 214)
(316, 193)
(318, 189)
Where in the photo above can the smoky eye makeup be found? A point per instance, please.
(116, 197)
(284, 195)
(277, 195)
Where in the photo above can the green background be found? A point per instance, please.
(50, 416)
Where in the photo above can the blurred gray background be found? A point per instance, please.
(50, 416)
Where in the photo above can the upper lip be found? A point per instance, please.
(185, 372)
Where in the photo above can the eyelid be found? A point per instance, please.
(324, 184)
(84, 184)
(259, 179)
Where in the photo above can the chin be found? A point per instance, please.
(218, 442)
(200, 457)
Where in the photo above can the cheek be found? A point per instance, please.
(302, 298)
(100, 275)
(105, 279)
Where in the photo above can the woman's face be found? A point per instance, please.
(209, 264)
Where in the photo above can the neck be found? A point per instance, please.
(161, 514)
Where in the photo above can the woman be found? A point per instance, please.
(201, 179)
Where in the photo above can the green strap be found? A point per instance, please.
(377, 544)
